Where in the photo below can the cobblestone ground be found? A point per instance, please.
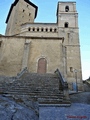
(79, 110)
(83, 97)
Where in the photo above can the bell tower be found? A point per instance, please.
(21, 11)
(67, 21)
(67, 15)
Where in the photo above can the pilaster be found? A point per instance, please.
(26, 54)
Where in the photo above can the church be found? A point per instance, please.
(41, 47)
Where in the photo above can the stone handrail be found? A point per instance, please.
(22, 72)
(64, 84)
(62, 81)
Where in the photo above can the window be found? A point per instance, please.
(42, 29)
(29, 14)
(0, 43)
(55, 30)
(29, 29)
(66, 8)
(37, 29)
(46, 29)
(71, 69)
(23, 10)
(50, 29)
(66, 25)
(33, 29)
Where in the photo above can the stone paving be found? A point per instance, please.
(77, 111)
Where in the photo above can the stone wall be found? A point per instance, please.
(11, 53)
(22, 12)
(48, 49)
(16, 54)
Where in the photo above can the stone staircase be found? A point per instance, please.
(43, 88)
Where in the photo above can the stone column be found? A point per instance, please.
(26, 54)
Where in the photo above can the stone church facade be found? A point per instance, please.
(41, 47)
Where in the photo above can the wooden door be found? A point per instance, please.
(42, 66)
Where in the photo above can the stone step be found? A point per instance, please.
(32, 82)
(35, 84)
(44, 88)
(29, 84)
(39, 96)
(53, 101)
(34, 93)
(42, 91)
(33, 88)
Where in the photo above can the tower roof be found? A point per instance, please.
(14, 4)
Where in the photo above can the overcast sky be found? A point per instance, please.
(47, 13)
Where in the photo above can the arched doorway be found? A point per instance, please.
(42, 66)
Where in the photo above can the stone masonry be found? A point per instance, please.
(41, 46)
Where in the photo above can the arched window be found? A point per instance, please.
(66, 8)
(33, 29)
(46, 29)
(42, 29)
(50, 29)
(55, 30)
(29, 29)
(66, 25)
(37, 29)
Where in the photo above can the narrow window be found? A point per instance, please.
(66, 25)
(55, 30)
(29, 14)
(71, 69)
(42, 29)
(29, 29)
(37, 29)
(23, 10)
(50, 29)
(66, 8)
(46, 29)
(33, 29)
(0, 43)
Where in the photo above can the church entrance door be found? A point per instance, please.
(42, 66)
